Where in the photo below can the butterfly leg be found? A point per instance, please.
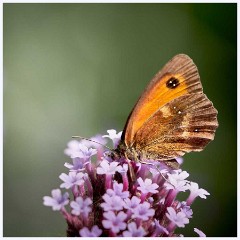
(131, 171)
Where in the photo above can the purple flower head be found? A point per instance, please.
(143, 211)
(95, 232)
(114, 222)
(81, 206)
(177, 181)
(134, 231)
(114, 136)
(180, 218)
(147, 186)
(119, 197)
(57, 201)
(73, 178)
(112, 203)
(108, 168)
(118, 191)
(199, 232)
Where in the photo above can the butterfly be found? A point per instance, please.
(172, 116)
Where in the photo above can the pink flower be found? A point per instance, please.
(108, 168)
(113, 203)
(132, 203)
(143, 211)
(73, 178)
(118, 191)
(95, 232)
(114, 222)
(195, 191)
(147, 186)
(57, 201)
(177, 181)
(81, 206)
(179, 218)
(159, 229)
(134, 231)
(112, 134)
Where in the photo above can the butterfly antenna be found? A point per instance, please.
(157, 170)
(90, 140)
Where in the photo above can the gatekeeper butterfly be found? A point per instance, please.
(172, 116)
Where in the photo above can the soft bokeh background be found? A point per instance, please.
(79, 68)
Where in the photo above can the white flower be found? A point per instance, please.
(196, 191)
(113, 203)
(180, 218)
(177, 181)
(95, 232)
(134, 231)
(108, 168)
(114, 222)
(81, 206)
(147, 186)
(143, 211)
(57, 201)
(112, 134)
(73, 178)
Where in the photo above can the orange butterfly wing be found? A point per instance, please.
(172, 116)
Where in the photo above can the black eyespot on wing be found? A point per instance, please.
(172, 83)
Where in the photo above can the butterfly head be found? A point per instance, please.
(129, 153)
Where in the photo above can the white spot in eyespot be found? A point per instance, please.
(179, 112)
(196, 130)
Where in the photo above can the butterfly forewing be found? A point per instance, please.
(172, 116)
(177, 78)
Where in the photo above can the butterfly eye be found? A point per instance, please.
(172, 83)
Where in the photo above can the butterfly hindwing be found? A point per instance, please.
(185, 124)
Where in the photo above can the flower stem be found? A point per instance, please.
(125, 182)
(170, 197)
(112, 234)
(108, 181)
(171, 227)
(190, 199)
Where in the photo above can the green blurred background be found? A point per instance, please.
(79, 68)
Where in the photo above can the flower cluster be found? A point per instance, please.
(119, 197)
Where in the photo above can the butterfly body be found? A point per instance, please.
(172, 117)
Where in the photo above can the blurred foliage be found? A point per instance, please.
(79, 68)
